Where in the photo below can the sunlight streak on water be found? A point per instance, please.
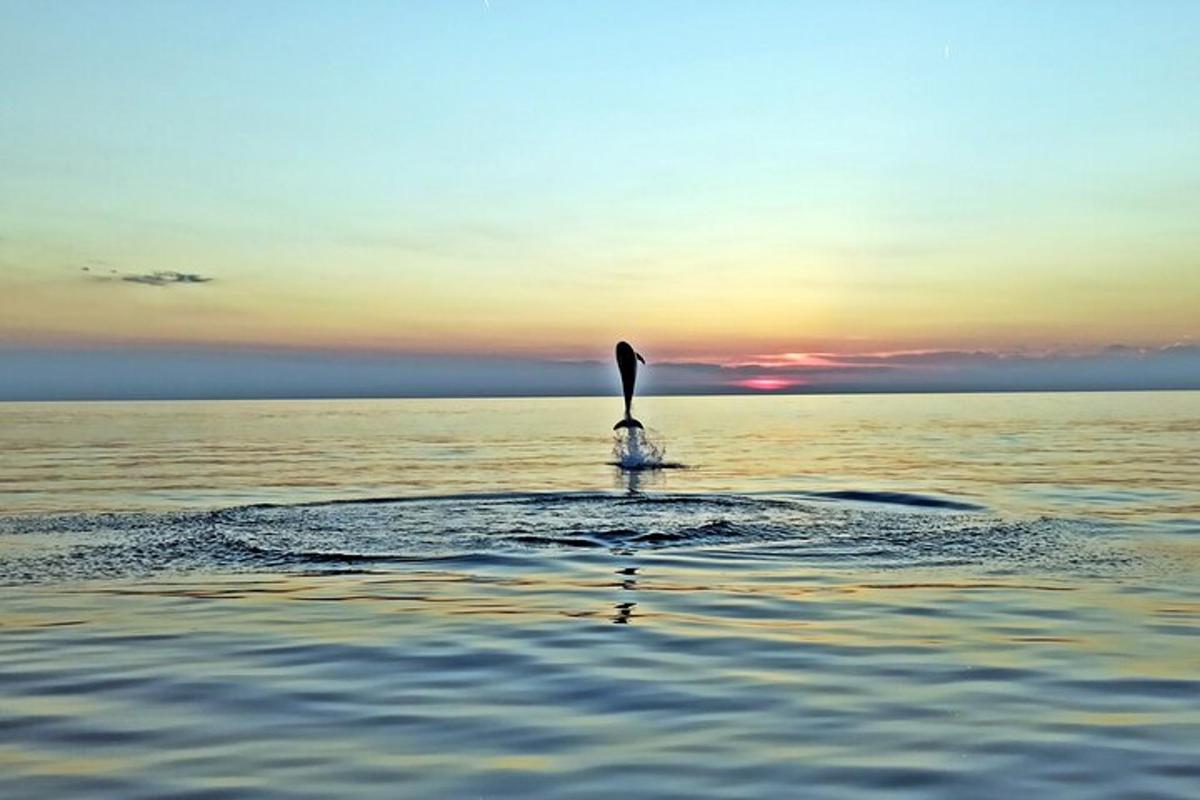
(1120, 456)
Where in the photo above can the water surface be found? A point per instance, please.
(914, 596)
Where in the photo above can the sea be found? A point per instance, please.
(900, 596)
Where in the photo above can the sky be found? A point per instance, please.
(328, 199)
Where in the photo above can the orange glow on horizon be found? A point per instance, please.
(766, 383)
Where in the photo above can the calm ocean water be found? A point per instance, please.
(904, 596)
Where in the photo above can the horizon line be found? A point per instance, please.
(567, 395)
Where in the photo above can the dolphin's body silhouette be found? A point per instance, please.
(627, 363)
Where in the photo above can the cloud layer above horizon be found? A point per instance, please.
(114, 374)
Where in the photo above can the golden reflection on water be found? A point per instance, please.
(951, 645)
(681, 602)
(1123, 455)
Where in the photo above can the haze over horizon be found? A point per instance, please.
(294, 199)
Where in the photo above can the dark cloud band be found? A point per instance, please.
(166, 278)
(157, 278)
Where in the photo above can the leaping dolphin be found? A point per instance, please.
(627, 363)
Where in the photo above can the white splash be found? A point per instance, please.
(634, 450)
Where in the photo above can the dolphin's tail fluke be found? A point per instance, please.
(628, 422)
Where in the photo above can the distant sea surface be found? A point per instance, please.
(984, 596)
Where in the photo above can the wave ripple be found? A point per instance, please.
(924, 532)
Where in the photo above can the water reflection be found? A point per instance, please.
(460, 647)
(624, 613)
(936, 669)
(629, 480)
(1044, 454)
(636, 481)
(629, 582)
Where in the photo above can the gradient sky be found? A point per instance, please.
(718, 182)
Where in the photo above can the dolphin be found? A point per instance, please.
(627, 363)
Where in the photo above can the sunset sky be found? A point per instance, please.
(787, 195)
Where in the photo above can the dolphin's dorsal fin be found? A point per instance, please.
(639, 357)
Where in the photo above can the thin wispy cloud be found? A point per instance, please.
(166, 278)
(157, 278)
